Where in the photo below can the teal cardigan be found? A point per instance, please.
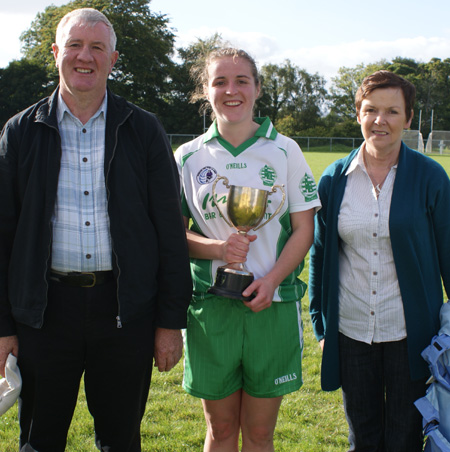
(419, 225)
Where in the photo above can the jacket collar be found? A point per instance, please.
(47, 111)
(117, 109)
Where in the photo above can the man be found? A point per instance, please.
(93, 258)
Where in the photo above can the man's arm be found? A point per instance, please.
(174, 276)
(8, 344)
(8, 221)
(168, 348)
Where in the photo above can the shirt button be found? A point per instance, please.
(375, 234)
(86, 193)
(374, 292)
(372, 313)
(84, 130)
(375, 273)
(88, 256)
(375, 253)
(88, 223)
(85, 159)
(376, 215)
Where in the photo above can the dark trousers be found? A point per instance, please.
(79, 335)
(379, 397)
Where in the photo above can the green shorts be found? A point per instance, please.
(229, 347)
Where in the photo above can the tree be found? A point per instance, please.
(184, 116)
(144, 41)
(22, 83)
(289, 91)
(433, 94)
(405, 67)
(344, 87)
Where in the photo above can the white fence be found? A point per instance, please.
(412, 138)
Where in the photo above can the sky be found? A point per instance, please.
(319, 36)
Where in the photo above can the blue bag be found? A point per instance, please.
(435, 406)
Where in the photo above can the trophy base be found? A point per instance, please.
(231, 283)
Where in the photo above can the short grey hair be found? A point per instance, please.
(87, 16)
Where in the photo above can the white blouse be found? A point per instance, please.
(370, 303)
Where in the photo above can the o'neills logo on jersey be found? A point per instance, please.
(206, 175)
(285, 379)
(231, 166)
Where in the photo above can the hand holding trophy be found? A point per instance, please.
(246, 207)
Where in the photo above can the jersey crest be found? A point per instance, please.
(268, 175)
(308, 188)
(206, 175)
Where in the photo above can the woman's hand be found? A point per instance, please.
(264, 289)
(293, 253)
(322, 344)
(236, 248)
(232, 250)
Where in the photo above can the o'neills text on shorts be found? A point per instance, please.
(285, 379)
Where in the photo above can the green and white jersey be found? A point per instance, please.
(263, 161)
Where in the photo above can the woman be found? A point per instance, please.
(243, 356)
(381, 246)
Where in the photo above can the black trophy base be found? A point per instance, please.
(231, 283)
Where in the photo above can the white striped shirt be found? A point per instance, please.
(81, 235)
(370, 304)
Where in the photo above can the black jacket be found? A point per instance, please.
(150, 256)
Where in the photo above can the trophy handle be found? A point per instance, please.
(225, 182)
(274, 189)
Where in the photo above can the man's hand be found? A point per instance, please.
(168, 348)
(8, 344)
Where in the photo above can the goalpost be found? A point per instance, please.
(413, 139)
(438, 142)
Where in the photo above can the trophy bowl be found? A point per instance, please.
(246, 207)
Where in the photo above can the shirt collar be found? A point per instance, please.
(265, 130)
(358, 161)
(62, 109)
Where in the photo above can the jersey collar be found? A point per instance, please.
(265, 130)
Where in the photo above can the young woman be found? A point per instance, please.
(243, 356)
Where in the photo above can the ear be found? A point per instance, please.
(55, 51)
(114, 58)
(258, 90)
(408, 124)
(358, 118)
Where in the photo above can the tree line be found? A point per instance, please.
(155, 75)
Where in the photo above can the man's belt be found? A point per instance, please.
(81, 279)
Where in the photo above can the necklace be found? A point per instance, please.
(377, 174)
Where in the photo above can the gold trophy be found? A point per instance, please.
(246, 207)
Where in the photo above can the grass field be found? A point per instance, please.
(310, 420)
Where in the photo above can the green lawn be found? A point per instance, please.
(310, 420)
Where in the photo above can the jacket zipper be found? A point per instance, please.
(49, 255)
(118, 319)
